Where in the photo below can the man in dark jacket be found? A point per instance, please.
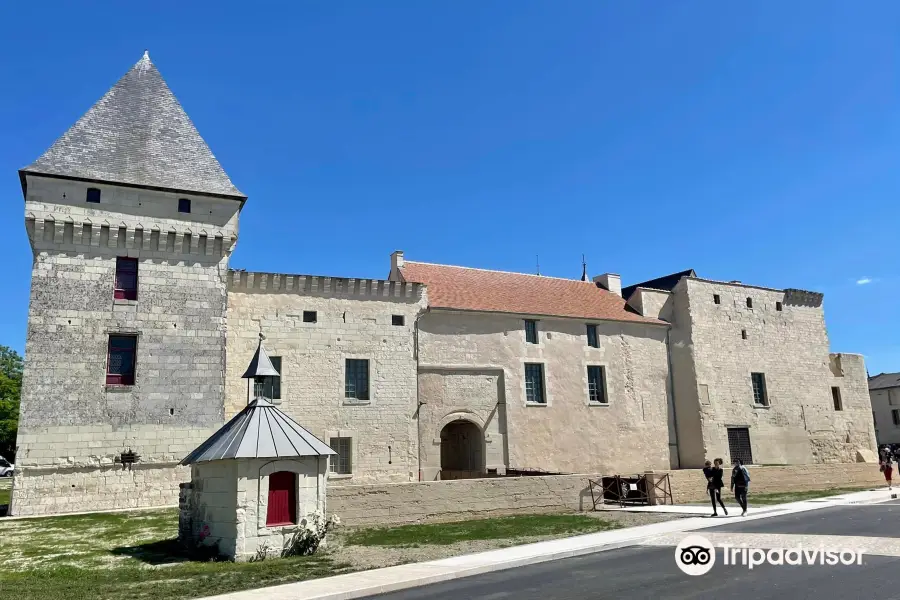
(740, 481)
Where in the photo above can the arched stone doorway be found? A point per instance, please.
(462, 450)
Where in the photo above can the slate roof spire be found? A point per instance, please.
(138, 135)
(260, 365)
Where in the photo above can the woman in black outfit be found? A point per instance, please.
(714, 485)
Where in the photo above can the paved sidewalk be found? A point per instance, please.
(366, 583)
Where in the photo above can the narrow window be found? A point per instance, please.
(749, 302)
(531, 334)
(760, 395)
(120, 360)
(895, 414)
(778, 306)
(717, 299)
(874, 420)
(282, 507)
(534, 383)
(341, 464)
(398, 320)
(126, 279)
(184, 205)
(836, 397)
(93, 196)
(272, 385)
(356, 380)
(592, 340)
(310, 316)
(597, 385)
(743, 334)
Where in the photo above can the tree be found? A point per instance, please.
(11, 365)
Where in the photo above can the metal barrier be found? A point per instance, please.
(634, 490)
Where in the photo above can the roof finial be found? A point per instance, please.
(537, 262)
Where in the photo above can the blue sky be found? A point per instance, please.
(751, 141)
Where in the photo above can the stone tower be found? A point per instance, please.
(131, 221)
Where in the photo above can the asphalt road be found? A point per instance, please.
(650, 572)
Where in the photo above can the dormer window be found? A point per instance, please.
(184, 205)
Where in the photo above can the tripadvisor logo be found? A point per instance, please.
(696, 555)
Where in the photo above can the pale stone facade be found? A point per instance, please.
(471, 367)
(225, 504)
(884, 394)
(353, 320)
(72, 425)
(723, 332)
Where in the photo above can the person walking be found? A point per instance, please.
(714, 485)
(740, 482)
(887, 467)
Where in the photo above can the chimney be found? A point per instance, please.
(396, 265)
(611, 282)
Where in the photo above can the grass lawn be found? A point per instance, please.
(483, 529)
(4, 495)
(131, 556)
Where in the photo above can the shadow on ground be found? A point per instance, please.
(165, 552)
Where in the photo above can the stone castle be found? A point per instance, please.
(138, 333)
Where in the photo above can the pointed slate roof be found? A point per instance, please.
(139, 135)
(260, 365)
(261, 430)
(666, 282)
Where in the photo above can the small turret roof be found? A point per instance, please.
(260, 365)
(137, 134)
(261, 430)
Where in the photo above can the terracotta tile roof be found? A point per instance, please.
(464, 288)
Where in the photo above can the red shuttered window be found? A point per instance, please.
(120, 360)
(126, 279)
(282, 499)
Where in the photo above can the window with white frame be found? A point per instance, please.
(342, 464)
(534, 383)
(597, 385)
(356, 379)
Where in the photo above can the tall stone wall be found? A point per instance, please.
(568, 433)
(718, 346)
(72, 425)
(353, 320)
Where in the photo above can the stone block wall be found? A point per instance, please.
(55, 490)
(353, 320)
(568, 433)
(689, 486)
(381, 504)
(715, 349)
(388, 504)
(70, 419)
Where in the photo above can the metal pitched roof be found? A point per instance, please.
(261, 430)
(137, 134)
(260, 365)
(884, 381)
